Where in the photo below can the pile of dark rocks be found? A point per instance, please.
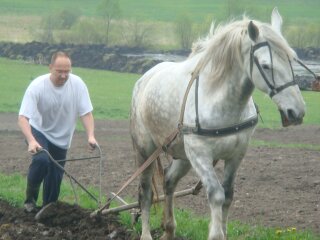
(118, 58)
(86, 56)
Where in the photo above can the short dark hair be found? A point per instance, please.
(59, 54)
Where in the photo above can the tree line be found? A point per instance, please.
(110, 28)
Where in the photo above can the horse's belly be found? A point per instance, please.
(218, 147)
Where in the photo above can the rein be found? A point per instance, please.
(317, 77)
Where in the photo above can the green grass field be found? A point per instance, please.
(111, 93)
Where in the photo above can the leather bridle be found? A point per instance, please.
(271, 84)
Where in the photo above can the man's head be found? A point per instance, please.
(60, 67)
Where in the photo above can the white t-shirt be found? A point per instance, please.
(54, 110)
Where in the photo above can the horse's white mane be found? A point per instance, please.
(225, 45)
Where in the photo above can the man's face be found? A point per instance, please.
(60, 70)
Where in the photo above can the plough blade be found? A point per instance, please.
(194, 191)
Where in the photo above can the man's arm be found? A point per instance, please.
(88, 124)
(33, 145)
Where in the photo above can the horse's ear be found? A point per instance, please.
(276, 20)
(253, 31)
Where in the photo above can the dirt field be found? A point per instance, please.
(275, 187)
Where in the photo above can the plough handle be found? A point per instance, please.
(68, 174)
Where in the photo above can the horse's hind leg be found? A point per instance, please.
(145, 196)
(173, 173)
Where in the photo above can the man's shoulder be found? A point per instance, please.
(40, 78)
(38, 81)
(75, 79)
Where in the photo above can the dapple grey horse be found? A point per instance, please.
(219, 116)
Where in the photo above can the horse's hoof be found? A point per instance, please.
(167, 237)
(145, 237)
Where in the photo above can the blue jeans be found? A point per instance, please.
(42, 169)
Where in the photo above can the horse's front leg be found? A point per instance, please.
(201, 160)
(230, 170)
(173, 173)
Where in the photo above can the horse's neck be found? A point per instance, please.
(226, 103)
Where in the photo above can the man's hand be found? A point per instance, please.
(92, 144)
(34, 147)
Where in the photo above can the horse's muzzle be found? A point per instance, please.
(290, 118)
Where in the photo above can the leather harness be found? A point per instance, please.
(215, 132)
(208, 132)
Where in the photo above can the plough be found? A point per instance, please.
(125, 206)
(56, 162)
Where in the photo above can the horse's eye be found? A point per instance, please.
(265, 67)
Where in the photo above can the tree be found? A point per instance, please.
(68, 17)
(48, 25)
(109, 9)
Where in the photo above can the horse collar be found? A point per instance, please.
(214, 132)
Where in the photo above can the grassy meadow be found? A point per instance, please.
(111, 93)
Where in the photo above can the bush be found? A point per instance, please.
(304, 35)
(184, 31)
(63, 19)
(68, 18)
(83, 32)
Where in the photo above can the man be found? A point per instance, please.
(48, 114)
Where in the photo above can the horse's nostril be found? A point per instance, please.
(291, 114)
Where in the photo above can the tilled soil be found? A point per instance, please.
(275, 186)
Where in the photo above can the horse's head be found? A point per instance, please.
(271, 69)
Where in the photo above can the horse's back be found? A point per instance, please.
(148, 76)
(147, 93)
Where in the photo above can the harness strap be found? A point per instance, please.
(194, 76)
(158, 151)
(146, 164)
(219, 132)
(197, 104)
(214, 132)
